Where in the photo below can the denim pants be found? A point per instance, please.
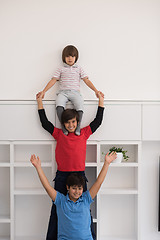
(60, 186)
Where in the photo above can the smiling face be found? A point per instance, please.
(75, 192)
(70, 60)
(71, 125)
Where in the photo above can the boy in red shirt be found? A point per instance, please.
(70, 151)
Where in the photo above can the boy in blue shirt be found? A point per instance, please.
(73, 210)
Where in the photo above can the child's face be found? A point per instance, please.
(71, 125)
(70, 60)
(75, 192)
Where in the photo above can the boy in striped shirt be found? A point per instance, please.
(69, 76)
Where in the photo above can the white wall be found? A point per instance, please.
(118, 41)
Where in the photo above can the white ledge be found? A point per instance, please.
(86, 101)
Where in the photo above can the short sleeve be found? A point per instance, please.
(59, 198)
(82, 73)
(56, 133)
(87, 197)
(86, 131)
(57, 74)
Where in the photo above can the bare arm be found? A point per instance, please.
(96, 186)
(47, 87)
(49, 189)
(91, 86)
(50, 84)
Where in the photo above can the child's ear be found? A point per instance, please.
(67, 187)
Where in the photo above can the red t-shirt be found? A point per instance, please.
(70, 150)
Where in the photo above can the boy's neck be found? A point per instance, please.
(67, 65)
(73, 199)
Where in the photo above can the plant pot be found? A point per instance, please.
(119, 158)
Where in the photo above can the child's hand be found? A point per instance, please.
(40, 94)
(35, 161)
(101, 99)
(99, 94)
(110, 157)
(102, 94)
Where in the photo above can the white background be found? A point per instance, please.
(118, 42)
(119, 46)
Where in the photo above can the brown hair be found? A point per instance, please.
(68, 114)
(69, 51)
(75, 179)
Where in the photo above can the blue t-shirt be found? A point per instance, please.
(74, 218)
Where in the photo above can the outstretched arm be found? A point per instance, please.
(47, 125)
(91, 86)
(49, 189)
(99, 116)
(48, 86)
(96, 186)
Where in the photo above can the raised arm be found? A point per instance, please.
(39, 101)
(96, 186)
(47, 87)
(99, 116)
(47, 125)
(49, 189)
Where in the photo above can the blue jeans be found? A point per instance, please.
(60, 186)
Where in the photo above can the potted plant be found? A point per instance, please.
(121, 154)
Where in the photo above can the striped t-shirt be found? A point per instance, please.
(69, 77)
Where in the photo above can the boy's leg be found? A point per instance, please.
(61, 101)
(52, 226)
(78, 130)
(60, 110)
(77, 100)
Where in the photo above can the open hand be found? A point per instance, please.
(110, 157)
(35, 161)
